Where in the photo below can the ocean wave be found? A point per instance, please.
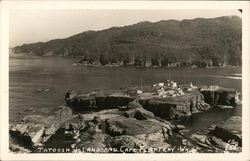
(233, 77)
(238, 74)
(229, 77)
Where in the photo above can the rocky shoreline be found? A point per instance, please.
(131, 120)
(198, 64)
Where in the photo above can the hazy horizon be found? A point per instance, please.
(31, 26)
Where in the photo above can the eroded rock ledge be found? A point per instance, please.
(34, 130)
(192, 100)
(230, 130)
(221, 96)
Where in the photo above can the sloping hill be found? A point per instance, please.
(201, 42)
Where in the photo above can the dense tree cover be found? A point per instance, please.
(199, 42)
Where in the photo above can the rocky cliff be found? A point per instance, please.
(34, 130)
(183, 105)
(221, 96)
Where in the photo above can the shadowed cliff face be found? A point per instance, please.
(199, 42)
(222, 96)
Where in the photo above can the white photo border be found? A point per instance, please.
(6, 6)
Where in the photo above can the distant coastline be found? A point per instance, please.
(202, 43)
(98, 64)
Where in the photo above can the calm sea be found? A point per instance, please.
(27, 75)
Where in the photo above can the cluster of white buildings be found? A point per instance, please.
(211, 87)
(168, 89)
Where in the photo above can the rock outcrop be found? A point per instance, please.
(110, 129)
(95, 101)
(221, 96)
(139, 113)
(135, 110)
(37, 129)
(128, 142)
(113, 128)
(230, 130)
(183, 105)
(169, 107)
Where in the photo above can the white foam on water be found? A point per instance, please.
(229, 77)
(234, 77)
(238, 74)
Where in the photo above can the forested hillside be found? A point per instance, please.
(200, 42)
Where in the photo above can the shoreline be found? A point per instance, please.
(114, 65)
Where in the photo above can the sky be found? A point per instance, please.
(29, 26)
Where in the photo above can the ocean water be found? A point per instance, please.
(58, 74)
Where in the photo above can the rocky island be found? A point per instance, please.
(130, 120)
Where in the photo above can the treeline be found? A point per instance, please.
(161, 60)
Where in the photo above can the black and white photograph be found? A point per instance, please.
(125, 81)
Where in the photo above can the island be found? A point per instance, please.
(131, 120)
